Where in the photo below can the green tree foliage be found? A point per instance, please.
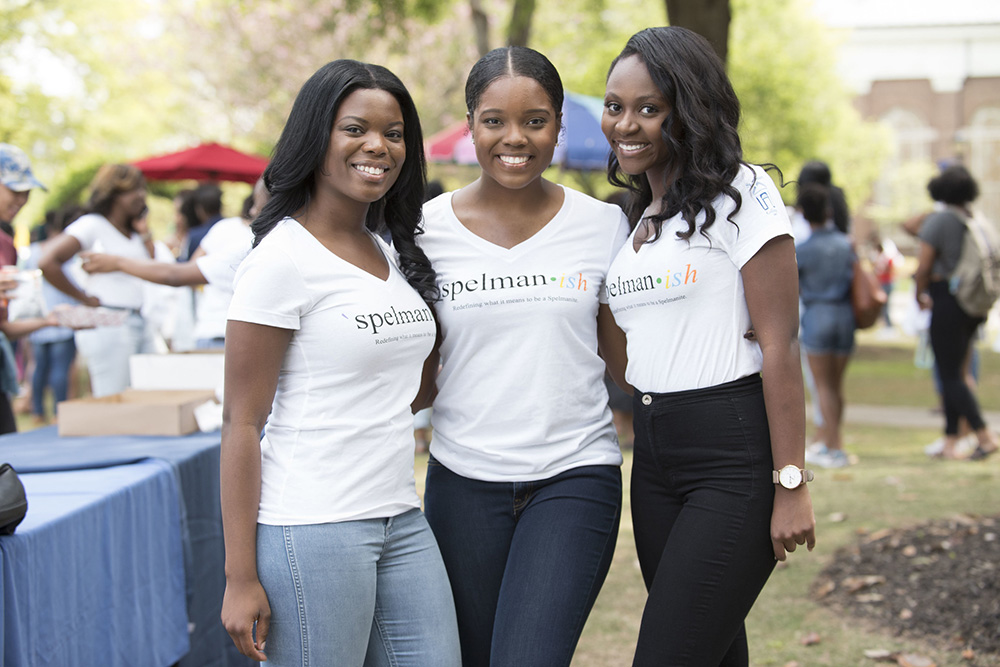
(148, 77)
(795, 108)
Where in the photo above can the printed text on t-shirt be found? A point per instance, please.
(392, 317)
(483, 283)
(620, 286)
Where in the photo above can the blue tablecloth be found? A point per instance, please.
(95, 573)
(194, 460)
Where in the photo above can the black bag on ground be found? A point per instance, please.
(13, 502)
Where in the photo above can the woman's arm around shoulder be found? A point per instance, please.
(611, 347)
(770, 280)
(254, 354)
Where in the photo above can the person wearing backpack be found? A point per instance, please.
(952, 329)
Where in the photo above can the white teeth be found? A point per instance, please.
(630, 147)
(514, 159)
(374, 171)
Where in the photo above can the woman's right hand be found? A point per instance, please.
(98, 262)
(91, 301)
(242, 605)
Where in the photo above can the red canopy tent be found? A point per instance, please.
(207, 162)
(452, 144)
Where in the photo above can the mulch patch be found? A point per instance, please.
(939, 582)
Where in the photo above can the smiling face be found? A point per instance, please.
(634, 112)
(11, 202)
(515, 130)
(366, 148)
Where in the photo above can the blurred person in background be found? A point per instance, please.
(952, 330)
(185, 219)
(53, 348)
(213, 265)
(208, 210)
(826, 267)
(16, 182)
(886, 257)
(117, 202)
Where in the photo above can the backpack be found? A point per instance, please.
(975, 282)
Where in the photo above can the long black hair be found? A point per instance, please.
(703, 145)
(301, 150)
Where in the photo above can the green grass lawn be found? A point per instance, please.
(893, 485)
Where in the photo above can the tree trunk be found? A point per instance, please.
(519, 29)
(481, 26)
(708, 18)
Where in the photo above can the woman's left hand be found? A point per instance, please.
(792, 521)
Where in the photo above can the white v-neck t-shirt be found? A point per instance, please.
(521, 392)
(116, 289)
(338, 444)
(681, 303)
(225, 245)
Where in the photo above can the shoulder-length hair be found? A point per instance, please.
(302, 147)
(110, 181)
(703, 145)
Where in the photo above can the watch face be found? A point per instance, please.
(790, 477)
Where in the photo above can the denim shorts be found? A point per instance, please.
(828, 328)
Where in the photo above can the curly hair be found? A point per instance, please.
(700, 132)
(954, 185)
(302, 147)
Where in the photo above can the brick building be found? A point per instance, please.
(929, 71)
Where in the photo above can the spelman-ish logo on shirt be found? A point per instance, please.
(621, 286)
(451, 290)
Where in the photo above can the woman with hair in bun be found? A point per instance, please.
(329, 559)
(706, 292)
(524, 481)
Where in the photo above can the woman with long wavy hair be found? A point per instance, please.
(719, 415)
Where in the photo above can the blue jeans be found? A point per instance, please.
(525, 559)
(702, 496)
(52, 363)
(372, 592)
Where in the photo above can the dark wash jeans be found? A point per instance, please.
(525, 559)
(701, 508)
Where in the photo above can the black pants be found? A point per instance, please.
(702, 496)
(952, 330)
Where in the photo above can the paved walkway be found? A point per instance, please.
(909, 417)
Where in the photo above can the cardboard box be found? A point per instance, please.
(133, 412)
(187, 370)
